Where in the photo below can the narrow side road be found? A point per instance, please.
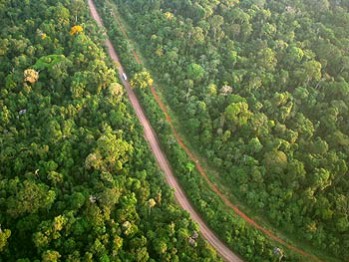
(150, 136)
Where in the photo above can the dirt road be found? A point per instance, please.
(150, 136)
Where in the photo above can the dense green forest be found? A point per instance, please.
(77, 180)
(261, 88)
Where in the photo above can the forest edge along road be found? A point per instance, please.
(150, 136)
(220, 247)
(197, 163)
(202, 172)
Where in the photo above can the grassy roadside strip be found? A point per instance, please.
(244, 239)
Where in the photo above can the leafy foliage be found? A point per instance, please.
(141, 80)
(76, 29)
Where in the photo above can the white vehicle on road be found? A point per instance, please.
(124, 76)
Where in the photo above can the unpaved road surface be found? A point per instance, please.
(150, 136)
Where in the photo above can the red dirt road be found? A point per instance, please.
(150, 136)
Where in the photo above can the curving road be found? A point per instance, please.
(150, 136)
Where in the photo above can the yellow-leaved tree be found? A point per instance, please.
(76, 29)
(141, 80)
(31, 76)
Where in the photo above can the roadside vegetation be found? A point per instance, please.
(261, 89)
(235, 231)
